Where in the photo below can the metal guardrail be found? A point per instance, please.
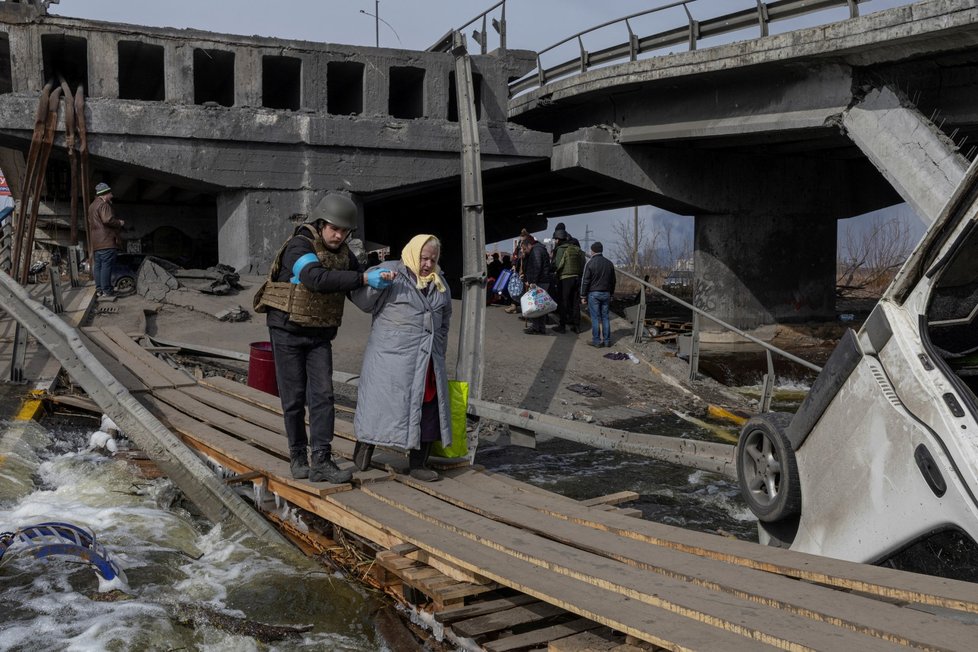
(767, 390)
(691, 33)
(446, 42)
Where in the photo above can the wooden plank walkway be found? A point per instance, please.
(516, 567)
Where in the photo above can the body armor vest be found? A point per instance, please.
(305, 307)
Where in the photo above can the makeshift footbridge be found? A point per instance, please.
(513, 567)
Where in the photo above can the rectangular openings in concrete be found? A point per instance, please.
(6, 83)
(66, 56)
(141, 75)
(344, 88)
(213, 77)
(281, 82)
(405, 97)
(453, 96)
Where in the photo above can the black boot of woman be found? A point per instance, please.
(362, 454)
(417, 460)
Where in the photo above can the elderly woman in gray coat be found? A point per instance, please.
(402, 398)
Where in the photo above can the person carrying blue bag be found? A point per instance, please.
(303, 299)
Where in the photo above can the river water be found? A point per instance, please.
(173, 562)
(173, 559)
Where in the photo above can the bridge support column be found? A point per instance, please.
(251, 226)
(761, 269)
(922, 164)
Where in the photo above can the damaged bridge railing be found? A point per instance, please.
(767, 389)
(689, 34)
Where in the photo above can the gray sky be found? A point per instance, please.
(531, 24)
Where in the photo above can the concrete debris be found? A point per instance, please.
(154, 282)
(220, 279)
(585, 390)
(233, 314)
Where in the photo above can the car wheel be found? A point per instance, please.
(125, 285)
(767, 469)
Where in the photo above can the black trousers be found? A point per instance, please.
(304, 372)
(569, 309)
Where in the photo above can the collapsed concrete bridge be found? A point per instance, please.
(765, 142)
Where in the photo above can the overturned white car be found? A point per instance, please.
(882, 455)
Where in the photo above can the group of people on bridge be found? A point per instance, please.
(570, 278)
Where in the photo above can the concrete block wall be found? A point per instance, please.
(102, 50)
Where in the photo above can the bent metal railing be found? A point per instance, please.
(767, 388)
(480, 36)
(691, 34)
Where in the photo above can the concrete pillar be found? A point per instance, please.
(921, 163)
(247, 77)
(752, 270)
(103, 65)
(26, 64)
(376, 87)
(313, 95)
(179, 72)
(251, 226)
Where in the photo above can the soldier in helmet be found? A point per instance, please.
(303, 298)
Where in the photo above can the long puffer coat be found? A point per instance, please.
(409, 328)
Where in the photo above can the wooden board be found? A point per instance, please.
(247, 458)
(126, 378)
(482, 608)
(272, 441)
(494, 622)
(841, 609)
(648, 623)
(269, 402)
(884, 582)
(175, 377)
(540, 636)
(697, 603)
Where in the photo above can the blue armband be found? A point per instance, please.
(301, 264)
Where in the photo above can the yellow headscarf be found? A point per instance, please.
(411, 257)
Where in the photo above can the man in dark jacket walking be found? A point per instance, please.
(536, 271)
(303, 298)
(597, 288)
(104, 230)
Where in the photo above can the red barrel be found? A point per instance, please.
(261, 368)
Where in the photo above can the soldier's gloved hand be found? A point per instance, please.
(379, 278)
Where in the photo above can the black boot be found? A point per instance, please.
(299, 463)
(417, 458)
(324, 469)
(362, 454)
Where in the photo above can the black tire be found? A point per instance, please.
(125, 285)
(767, 469)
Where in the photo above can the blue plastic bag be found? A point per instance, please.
(502, 281)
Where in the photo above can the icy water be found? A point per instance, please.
(173, 562)
(667, 493)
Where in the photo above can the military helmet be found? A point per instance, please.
(338, 210)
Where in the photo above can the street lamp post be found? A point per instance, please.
(377, 21)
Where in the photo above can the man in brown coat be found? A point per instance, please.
(104, 229)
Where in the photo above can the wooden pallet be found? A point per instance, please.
(442, 591)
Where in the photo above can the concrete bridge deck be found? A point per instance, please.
(465, 544)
